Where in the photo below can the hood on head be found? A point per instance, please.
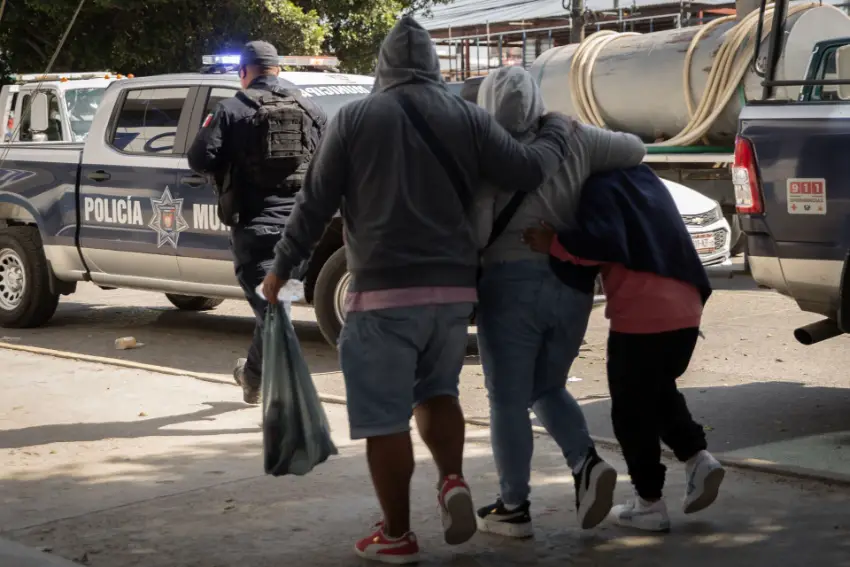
(513, 98)
(407, 56)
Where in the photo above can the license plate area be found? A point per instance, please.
(704, 242)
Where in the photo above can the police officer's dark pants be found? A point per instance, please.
(253, 256)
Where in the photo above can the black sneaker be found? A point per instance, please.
(496, 519)
(250, 394)
(594, 485)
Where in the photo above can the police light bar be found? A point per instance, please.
(308, 61)
(285, 61)
(34, 78)
(221, 60)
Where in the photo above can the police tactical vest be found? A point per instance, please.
(281, 138)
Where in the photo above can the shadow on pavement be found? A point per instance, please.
(154, 427)
(206, 342)
(748, 415)
(314, 520)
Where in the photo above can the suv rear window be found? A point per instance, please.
(147, 121)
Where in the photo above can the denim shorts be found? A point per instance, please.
(394, 359)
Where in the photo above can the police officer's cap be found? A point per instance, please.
(260, 53)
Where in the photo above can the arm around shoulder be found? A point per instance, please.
(611, 150)
(513, 166)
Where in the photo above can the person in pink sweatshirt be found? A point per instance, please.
(655, 323)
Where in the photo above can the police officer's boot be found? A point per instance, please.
(251, 394)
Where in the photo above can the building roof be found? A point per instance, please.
(463, 13)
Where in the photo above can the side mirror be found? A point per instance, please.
(842, 69)
(40, 112)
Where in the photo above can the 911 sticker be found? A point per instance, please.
(806, 196)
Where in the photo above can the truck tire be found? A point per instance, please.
(193, 302)
(25, 297)
(329, 296)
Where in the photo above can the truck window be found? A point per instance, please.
(826, 70)
(82, 105)
(10, 117)
(217, 95)
(147, 121)
(54, 129)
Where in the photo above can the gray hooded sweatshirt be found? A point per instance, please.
(513, 97)
(404, 223)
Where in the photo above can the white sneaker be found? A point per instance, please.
(642, 515)
(703, 476)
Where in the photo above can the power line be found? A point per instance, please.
(64, 36)
(46, 71)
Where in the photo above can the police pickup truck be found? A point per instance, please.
(72, 101)
(123, 209)
(792, 186)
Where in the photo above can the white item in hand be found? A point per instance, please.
(292, 291)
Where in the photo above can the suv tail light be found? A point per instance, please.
(745, 179)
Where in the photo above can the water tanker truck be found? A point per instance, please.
(682, 90)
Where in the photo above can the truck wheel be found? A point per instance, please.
(329, 296)
(193, 302)
(25, 297)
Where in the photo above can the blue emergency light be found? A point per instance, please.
(221, 59)
(285, 60)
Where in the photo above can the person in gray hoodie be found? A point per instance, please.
(402, 165)
(531, 324)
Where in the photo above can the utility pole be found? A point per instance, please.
(576, 21)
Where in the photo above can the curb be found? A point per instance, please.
(16, 554)
(755, 465)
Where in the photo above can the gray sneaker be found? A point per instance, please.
(251, 394)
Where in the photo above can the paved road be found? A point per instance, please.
(758, 392)
(122, 468)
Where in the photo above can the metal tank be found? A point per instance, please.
(637, 80)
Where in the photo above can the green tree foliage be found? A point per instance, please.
(162, 36)
(356, 28)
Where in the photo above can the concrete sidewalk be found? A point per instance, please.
(16, 555)
(115, 468)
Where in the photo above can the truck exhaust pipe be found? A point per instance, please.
(817, 332)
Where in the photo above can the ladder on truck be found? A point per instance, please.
(774, 52)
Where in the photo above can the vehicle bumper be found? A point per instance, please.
(721, 235)
(809, 273)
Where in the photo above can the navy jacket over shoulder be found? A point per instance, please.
(628, 217)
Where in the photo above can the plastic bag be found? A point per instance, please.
(296, 433)
(291, 292)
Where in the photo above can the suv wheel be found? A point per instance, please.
(193, 302)
(329, 296)
(25, 297)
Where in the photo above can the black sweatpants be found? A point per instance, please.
(646, 405)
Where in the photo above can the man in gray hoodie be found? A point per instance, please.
(403, 165)
(530, 324)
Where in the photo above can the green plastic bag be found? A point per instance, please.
(296, 433)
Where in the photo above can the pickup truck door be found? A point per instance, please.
(204, 255)
(131, 217)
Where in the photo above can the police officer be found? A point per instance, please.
(261, 214)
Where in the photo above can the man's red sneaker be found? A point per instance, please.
(380, 547)
(456, 510)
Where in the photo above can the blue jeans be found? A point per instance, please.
(530, 328)
(395, 359)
